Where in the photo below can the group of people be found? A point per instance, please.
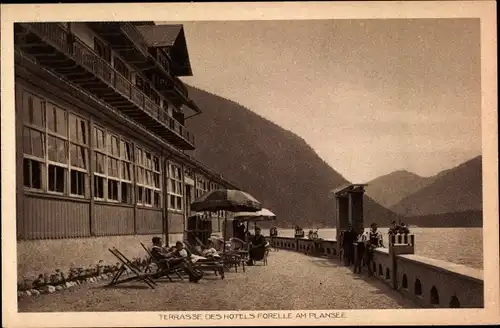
(299, 232)
(177, 256)
(401, 228)
(365, 243)
(313, 234)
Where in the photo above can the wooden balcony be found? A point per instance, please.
(55, 48)
(128, 42)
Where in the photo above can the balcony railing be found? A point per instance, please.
(135, 36)
(57, 36)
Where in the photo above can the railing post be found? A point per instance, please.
(393, 259)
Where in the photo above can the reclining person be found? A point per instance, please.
(258, 247)
(181, 251)
(210, 250)
(173, 258)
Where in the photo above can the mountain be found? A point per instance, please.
(455, 190)
(466, 219)
(275, 165)
(390, 189)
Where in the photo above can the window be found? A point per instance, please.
(175, 187)
(201, 186)
(121, 67)
(79, 154)
(102, 50)
(139, 82)
(162, 59)
(143, 85)
(126, 171)
(113, 163)
(148, 179)
(55, 148)
(155, 97)
(99, 162)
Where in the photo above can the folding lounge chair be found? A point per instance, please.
(127, 264)
(231, 258)
(163, 268)
(206, 265)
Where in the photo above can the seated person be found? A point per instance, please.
(173, 258)
(210, 250)
(257, 247)
(394, 229)
(181, 251)
(403, 229)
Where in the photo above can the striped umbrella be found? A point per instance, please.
(226, 200)
(262, 215)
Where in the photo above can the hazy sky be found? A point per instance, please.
(370, 96)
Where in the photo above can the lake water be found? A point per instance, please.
(457, 245)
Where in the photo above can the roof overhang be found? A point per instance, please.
(344, 190)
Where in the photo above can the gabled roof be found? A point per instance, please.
(349, 187)
(140, 23)
(160, 35)
(173, 40)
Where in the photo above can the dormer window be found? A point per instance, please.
(162, 59)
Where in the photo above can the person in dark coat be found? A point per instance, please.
(257, 246)
(348, 247)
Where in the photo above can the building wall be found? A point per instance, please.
(36, 257)
(46, 214)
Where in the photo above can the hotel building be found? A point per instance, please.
(102, 144)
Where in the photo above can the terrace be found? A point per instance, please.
(290, 281)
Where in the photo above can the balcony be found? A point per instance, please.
(55, 48)
(129, 43)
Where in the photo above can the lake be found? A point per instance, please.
(457, 245)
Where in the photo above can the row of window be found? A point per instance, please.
(56, 149)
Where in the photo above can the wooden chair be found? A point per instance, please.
(127, 264)
(163, 268)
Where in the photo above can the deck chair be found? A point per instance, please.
(163, 268)
(229, 259)
(127, 264)
(209, 265)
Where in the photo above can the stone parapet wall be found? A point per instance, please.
(429, 282)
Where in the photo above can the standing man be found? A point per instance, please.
(373, 240)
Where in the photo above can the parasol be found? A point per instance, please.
(229, 200)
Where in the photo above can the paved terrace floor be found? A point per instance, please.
(290, 281)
